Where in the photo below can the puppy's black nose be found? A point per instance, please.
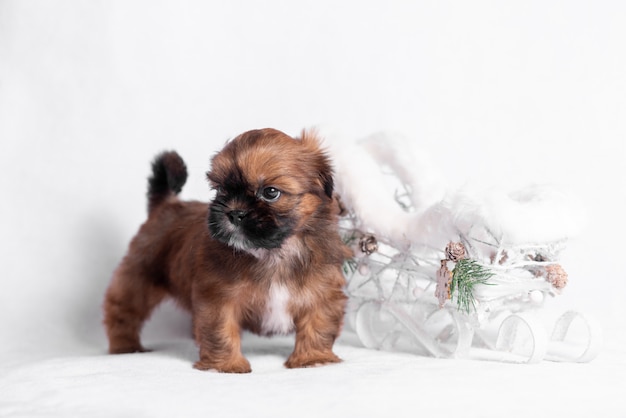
(236, 216)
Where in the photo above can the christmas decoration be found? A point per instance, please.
(368, 244)
(466, 275)
(461, 281)
(556, 276)
(442, 273)
(455, 251)
(444, 282)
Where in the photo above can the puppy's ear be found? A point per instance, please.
(326, 176)
(322, 164)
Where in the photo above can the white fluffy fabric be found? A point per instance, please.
(368, 167)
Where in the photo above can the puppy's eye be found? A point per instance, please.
(270, 194)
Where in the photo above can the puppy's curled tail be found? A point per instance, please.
(169, 174)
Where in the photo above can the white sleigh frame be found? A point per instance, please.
(392, 290)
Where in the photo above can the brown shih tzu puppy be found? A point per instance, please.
(263, 256)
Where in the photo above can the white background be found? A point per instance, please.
(500, 93)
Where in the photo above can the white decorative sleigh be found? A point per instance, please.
(399, 219)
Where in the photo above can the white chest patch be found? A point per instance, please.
(276, 319)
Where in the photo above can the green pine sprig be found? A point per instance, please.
(349, 267)
(465, 276)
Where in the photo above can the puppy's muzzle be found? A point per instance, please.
(236, 216)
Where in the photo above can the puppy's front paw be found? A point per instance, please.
(127, 349)
(315, 359)
(239, 365)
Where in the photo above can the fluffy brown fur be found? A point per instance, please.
(264, 256)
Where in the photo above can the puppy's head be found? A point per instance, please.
(269, 186)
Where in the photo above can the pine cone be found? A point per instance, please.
(455, 251)
(368, 244)
(556, 276)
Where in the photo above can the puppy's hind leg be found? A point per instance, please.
(129, 301)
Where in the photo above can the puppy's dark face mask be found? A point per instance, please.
(268, 187)
(248, 217)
